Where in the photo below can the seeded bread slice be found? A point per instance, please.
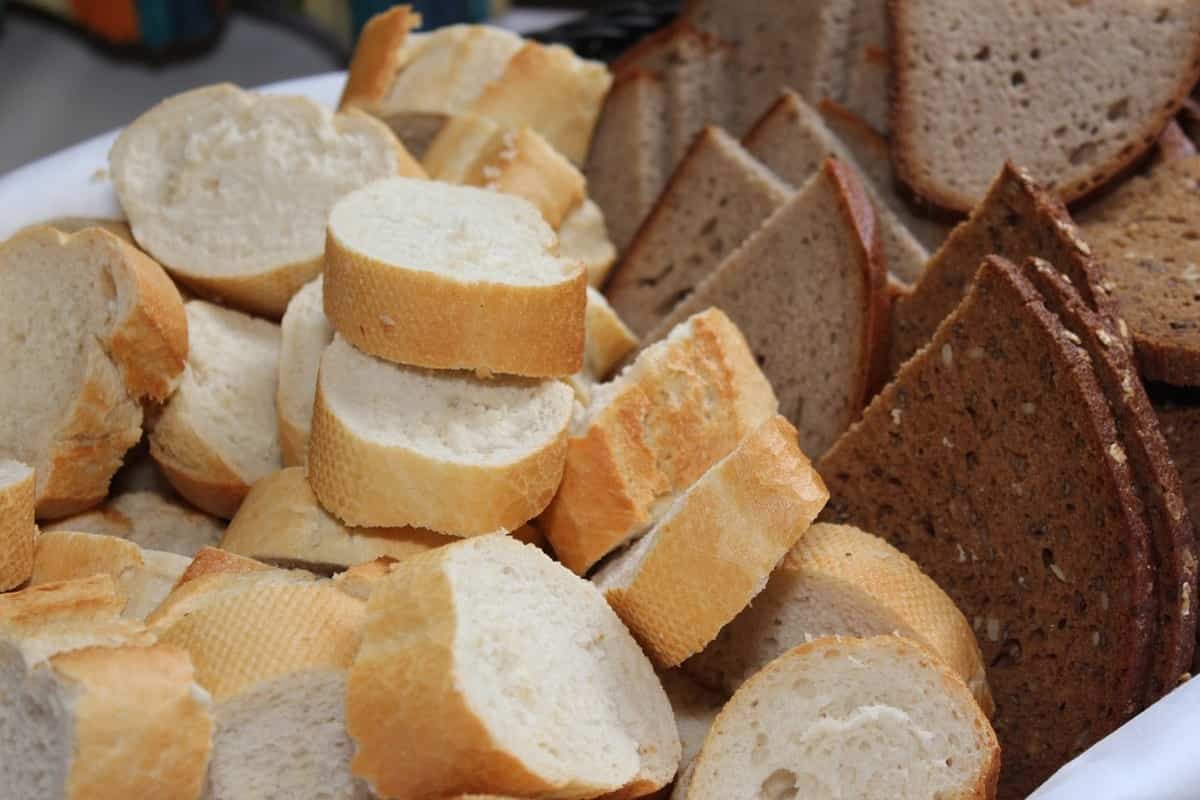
(17, 527)
(1180, 427)
(974, 87)
(148, 520)
(959, 464)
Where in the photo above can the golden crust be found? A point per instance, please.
(215, 561)
(377, 57)
(84, 600)
(196, 471)
(17, 531)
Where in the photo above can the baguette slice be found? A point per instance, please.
(17, 526)
(609, 340)
(304, 334)
(504, 673)
(65, 615)
(401, 253)
(650, 433)
(678, 585)
(866, 718)
(437, 450)
(89, 327)
(219, 433)
(148, 520)
(584, 238)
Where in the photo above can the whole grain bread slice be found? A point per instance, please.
(960, 463)
(1180, 427)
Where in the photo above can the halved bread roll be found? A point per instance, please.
(453, 277)
(148, 520)
(17, 526)
(394, 445)
(304, 334)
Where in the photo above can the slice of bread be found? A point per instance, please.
(148, 520)
(304, 334)
(972, 89)
(809, 290)
(608, 341)
(840, 581)
(1181, 428)
(959, 463)
(677, 586)
(17, 526)
(649, 434)
(716, 198)
(484, 265)
(219, 433)
(437, 450)
(867, 89)
(504, 673)
(866, 718)
(282, 523)
(584, 239)
(89, 327)
(1143, 233)
(68, 615)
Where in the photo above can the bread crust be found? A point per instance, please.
(17, 530)
(193, 467)
(377, 57)
(84, 600)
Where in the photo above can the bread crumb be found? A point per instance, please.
(977, 623)
(962, 554)
(993, 629)
(1117, 453)
(1074, 339)
(387, 322)
(99, 175)
(1104, 601)
(948, 355)
(1127, 385)
(1123, 328)
(1096, 638)
(1028, 409)
(896, 415)
(947, 443)
(1108, 286)
(1104, 338)
(1058, 572)
(1185, 601)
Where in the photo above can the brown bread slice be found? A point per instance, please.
(718, 196)
(1074, 91)
(1181, 428)
(809, 291)
(1147, 235)
(992, 461)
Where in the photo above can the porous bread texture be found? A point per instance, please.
(973, 86)
(438, 450)
(148, 520)
(583, 238)
(305, 332)
(209, 182)
(219, 433)
(505, 673)
(89, 327)
(648, 434)
(485, 265)
(867, 718)
(17, 526)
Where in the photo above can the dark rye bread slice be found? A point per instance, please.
(809, 291)
(1075, 91)
(1017, 220)
(1181, 428)
(1147, 235)
(716, 198)
(991, 460)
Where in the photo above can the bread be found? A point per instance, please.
(1180, 427)
(716, 198)
(867, 718)
(304, 334)
(959, 463)
(678, 585)
(383, 48)
(965, 97)
(809, 291)
(695, 709)
(219, 433)
(1174, 143)
(281, 523)
(17, 528)
(868, 72)
(505, 673)
(840, 581)
(437, 450)
(212, 572)
(483, 265)
(608, 340)
(192, 174)
(148, 520)
(1142, 233)
(215, 561)
(584, 239)
(650, 433)
(111, 324)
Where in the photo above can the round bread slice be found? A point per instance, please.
(230, 190)
(305, 333)
(148, 520)
(503, 673)
(17, 527)
(865, 718)
(445, 451)
(453, 277)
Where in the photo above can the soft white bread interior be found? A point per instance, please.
(396, 445)
(17, 526)
(583, 238)
(148, 520)
(89, 326)
(210, 184)
(504, 673)
(219, 433)
(304, 334)
(402, 252)
(874, 718)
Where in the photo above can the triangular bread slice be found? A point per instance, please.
(89, 327)
(809, 291)
(960, 463)
(504, 673)
(974, 87)
(17, 526)
(305, 332)
(677, 586)
(869, 718)
(148, 520)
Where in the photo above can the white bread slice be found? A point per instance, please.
(396, 446)
(695, 709)
(210, 184)
(282, 523)
(89, 326)
(17, 526)
(148, 520)
(219, 433)
(213, 571)
(840, 581)
(484, 265)
(504, 673)
(651, 432)
(304, 334)
(583, 238)
(69, 614)
(875, 719)
(684, 580)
